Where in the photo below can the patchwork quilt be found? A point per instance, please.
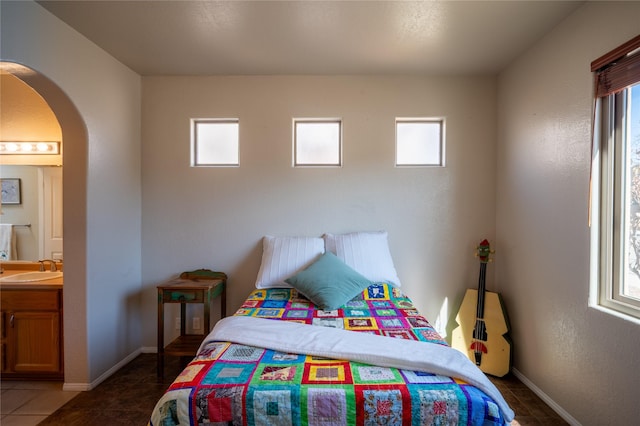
(234, 384)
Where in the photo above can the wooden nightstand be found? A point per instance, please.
(185, 291)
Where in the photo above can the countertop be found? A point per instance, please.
(33, 285)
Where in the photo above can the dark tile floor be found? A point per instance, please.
(529, 408)
(125, 398)
(128, 397)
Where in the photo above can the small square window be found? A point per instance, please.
(419, 142)
(317, 142)
(214, 142)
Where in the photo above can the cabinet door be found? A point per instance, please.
(36, 336)
(3, 342)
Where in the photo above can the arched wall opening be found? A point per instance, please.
(75, 140)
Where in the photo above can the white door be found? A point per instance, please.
(51, 213)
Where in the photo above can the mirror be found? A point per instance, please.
(37, 219)
(33, 201)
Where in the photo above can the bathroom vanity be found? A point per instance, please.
(31, 326)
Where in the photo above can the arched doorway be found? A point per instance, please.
(74, 135)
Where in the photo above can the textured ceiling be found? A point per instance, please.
(313, 37)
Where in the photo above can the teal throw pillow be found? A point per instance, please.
(329, 282)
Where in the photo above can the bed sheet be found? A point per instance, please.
(229, 383)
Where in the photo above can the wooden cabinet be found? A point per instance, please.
(31, 326)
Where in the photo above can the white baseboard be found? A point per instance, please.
(76, 387)
(546, 398)
(88, 386)
(149, 350)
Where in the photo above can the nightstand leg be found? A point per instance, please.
(160, 335)
(207, 316)
(223, 300)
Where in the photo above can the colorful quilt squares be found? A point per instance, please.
(327, 314)
(277, 374)
(377, 291)
(357, 312)
(381, 406)
(237, 352)
(399, 334)
(228, 373)
(428, 335)
(438, 406)
(371, 374)
(190, 372)
(219, 405)
(364, 323)
(273, 357)
(386, 312)
(391, 322)
(273, 406)
(327, 406)
(173, 408)
(418, 322)
(329, 322)
(327, 373)
(250, 304)
(278, 294)
(297, 314)
(278, 304)
(212, 351)
(257, 294)
(380, 304)
(269, 312)
(491, 410)
(234, 384)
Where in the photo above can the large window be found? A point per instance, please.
(616, 174)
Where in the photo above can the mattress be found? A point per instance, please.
(240, 384)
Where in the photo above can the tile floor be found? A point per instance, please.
(529, 408)
(29, 403)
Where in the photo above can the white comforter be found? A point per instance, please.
(290, 337)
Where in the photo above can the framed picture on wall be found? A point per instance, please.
(11, 191)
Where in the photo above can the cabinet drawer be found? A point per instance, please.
(30, 300)
(195, 296)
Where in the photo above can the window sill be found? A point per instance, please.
(615, 313)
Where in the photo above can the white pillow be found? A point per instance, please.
(283, 257)
(366, 252)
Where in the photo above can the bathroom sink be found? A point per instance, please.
(26, 277)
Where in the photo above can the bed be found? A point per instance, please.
(325, 340)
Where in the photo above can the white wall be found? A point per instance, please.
(215, 217)
(102, 198)
(584, 360)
